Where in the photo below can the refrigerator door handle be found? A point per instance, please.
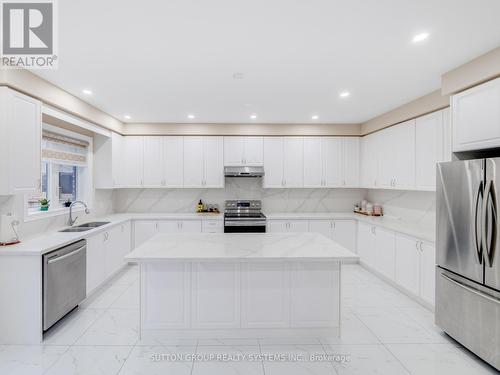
(478, 243)
(489, 195)
(472, 290)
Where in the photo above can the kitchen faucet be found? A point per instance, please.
(71, 221)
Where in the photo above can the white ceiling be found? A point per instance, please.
(162, 60)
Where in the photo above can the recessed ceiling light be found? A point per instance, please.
(191, 117)
(253, 117)
(127, 117)
(87, 91)
(238, 75)
(314, 117)
(345, 94)
(420, 37)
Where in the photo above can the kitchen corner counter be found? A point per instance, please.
(412, 228)
(54, 239)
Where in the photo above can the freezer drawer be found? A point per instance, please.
(470, 313)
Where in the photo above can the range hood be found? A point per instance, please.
(243, 171)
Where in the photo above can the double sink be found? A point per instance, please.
(86, 226)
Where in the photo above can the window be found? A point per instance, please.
(65, 170)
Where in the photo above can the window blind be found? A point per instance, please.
(61, 148)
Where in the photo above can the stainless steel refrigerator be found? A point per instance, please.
(468, 255)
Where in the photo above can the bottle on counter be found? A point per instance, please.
(199, 207)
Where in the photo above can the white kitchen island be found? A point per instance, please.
(240, 285)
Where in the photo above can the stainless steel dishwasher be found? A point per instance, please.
(64, 281)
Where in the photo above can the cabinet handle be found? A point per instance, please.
(416, 245)
(421, 243)
(334, 224)
(156, 226)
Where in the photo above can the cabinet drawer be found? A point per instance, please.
(213, 226)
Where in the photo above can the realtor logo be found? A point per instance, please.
(28, 34)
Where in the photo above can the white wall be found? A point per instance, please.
(414, 206)
(273, 200)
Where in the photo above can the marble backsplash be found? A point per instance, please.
(413, 206)
(273, 200)
(102, 205)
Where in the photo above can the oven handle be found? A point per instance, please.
(74, 252)
(245, 223)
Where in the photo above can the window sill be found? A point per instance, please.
(40, 215)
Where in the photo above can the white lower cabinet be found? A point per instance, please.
(341, 231)
(415, 266)
(215, 298)
(105, 253)
(376, 248)
(287, 226)
(145, 229)
(212, 226)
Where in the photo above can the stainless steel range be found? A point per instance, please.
(244, 216)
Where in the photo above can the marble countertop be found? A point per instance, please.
(239, 246)
(423, 231)
(53, 240)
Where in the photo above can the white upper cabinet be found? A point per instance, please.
(429, 149)
(273, 162)
(293, 162)
(173, 161)
(133, 159)
(350, 162)
(203, 162)
(243, 151)
(20, 154)
(193, 162)
(476, 117)
(332, 161)
(313, 162)
(403, 155)
(108, 165)
(213, 162)
(153, 161)
(369, 160)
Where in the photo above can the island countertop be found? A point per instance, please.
(239, 246)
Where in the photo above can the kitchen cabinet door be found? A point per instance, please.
(125, 238)
(234, 151)
(153, 161)
(387, 168)
(96, 268)
(407, 263)
(168, 226)
(350, 162)
(20, 157)
(190, 226)
(277, 226)
(117, 167)
(404, 148)
(344, 233)
(298, 226)
(366, 244)
(429, 149)
(323, 227)
(332, 161)
(133, 149)
(254, 150)
(113, 259)
(385, 262)
(369, 161)
(213, 162)
(143, 231)
(212, 226)
(193, 162)
(427, 272)
(313, 162)
(273, 162)
(476, 117)
(173, 161)
(293, 162)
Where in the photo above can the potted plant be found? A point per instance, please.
(67, 203)
(44, 204)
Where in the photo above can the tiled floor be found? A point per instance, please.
(384, 332)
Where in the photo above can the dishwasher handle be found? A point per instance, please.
(57, 259)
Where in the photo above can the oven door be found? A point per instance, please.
(244, 225)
